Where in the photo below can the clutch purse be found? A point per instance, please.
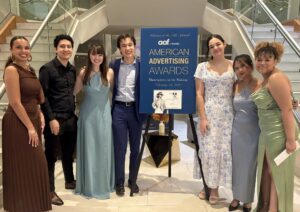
(284, 155)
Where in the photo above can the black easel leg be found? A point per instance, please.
(199, 160)
(145, 137)
(171, 127)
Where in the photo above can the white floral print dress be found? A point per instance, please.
(215, 145)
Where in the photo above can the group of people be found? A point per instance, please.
(244, 123)
(46, 105)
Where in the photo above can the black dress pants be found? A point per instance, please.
(66, 140)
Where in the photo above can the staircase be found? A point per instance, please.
(42, 52)
(290, 62)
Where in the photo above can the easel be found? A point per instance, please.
(171, 127)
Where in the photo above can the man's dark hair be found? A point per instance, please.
(124, 36)
(60, 37)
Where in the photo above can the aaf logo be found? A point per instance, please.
(164, 42)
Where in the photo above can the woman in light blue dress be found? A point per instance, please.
(95, 154)
(245, 134)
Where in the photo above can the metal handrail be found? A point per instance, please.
(280, 27)
(34, 39)
(45, 21)
(2, 90)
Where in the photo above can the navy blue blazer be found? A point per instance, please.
(115, 66)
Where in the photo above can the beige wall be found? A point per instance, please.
(144, 12)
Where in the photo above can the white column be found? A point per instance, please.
(108, 50)
(137, 35)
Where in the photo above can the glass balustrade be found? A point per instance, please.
(280, 8)
(263, 22)
(38, 9)
(60, 21)
(5, 10)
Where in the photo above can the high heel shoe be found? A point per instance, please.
(232, 207)
(245, 209)
(213, 199)
(201, 195)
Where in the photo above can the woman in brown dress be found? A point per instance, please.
(25, 175)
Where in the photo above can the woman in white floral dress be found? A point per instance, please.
(214, 84)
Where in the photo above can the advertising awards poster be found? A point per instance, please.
(168, 64)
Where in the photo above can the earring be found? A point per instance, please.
(29, 59)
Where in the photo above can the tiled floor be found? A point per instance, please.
(157, 191)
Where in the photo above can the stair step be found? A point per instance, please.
(266, 28)
(289, 57)
(293, 75)
(295, 85)
(34, 63)
(281, 40)
(296, 95)
(36, 48)
(289, 66)
(36, 25)
(264, 34)
(41, 40)
(288, 49)
(31, 32)
(38, 56)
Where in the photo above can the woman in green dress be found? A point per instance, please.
(278, 131)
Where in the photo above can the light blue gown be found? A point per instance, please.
(95, 175)
(245, 134)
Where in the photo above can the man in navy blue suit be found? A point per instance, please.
(126, 119)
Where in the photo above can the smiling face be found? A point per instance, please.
(216, 47)
(96, 59)
(20, 50)
(242, 70)
(64, 50)
(265, 63)
(127, 48)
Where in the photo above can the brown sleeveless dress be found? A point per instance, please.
(25, 173)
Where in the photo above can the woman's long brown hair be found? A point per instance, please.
(96, 49)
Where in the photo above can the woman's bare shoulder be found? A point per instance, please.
(10, 70)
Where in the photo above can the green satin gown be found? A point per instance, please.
(272, 142)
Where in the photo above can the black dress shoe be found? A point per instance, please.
(55, 200)
(233, 208)
(133, 187)
(245, 209)
(120, 190)
(71, 185)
